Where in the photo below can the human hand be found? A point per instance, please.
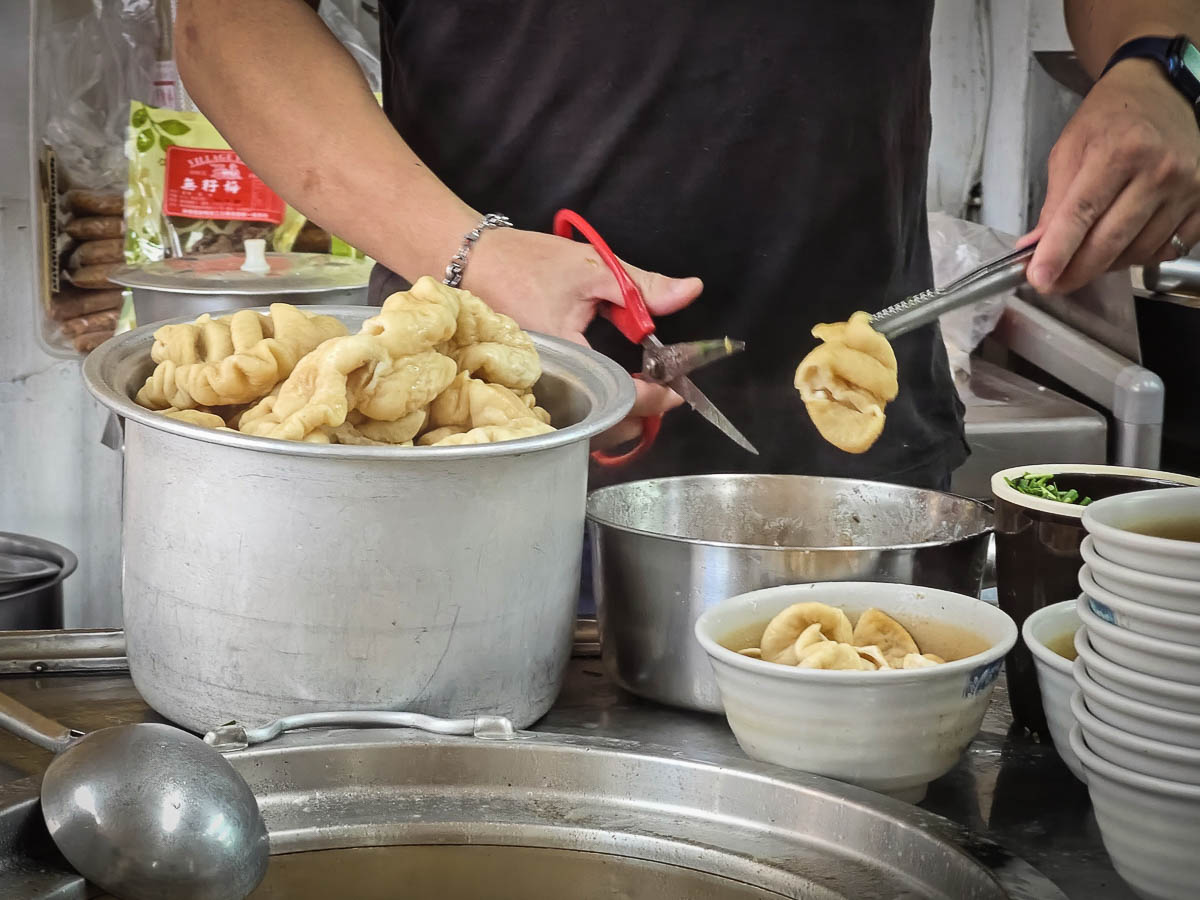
(1124, 177)
(553, 285)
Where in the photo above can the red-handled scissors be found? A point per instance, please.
(662, 364)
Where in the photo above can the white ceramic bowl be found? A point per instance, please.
(1159, 591)
(1150, 826)
(1134, 752)
(1142, 653)
(890, 731)
(1167, 624)
(1108, 521)
(1147, 689)
(1136, 716)
(1054, 674)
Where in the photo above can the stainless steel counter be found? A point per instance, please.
(1008, 787)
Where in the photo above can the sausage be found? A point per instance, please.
(95, 228)
(90, 340)
(71, 303)
(96, 203)
(106, 320)
(94, 278)
(89, 253)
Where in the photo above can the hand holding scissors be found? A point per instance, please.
(666, 365)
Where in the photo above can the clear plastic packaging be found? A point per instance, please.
(89, 68)
(958, 247)
(353, 40)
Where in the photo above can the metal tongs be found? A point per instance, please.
(1000, 275)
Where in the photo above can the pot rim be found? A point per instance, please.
(737, 545)
(608, 384)
(1002, 491)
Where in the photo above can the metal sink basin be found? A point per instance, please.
(363, 814)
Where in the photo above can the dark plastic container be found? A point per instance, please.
(1038, 559)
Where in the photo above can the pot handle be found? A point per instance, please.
(113, 435)
(27, 724)
(233, 736)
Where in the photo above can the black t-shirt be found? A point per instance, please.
(775, 149)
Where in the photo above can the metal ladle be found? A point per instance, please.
(146, 811)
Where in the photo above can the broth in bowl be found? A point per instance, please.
(942, 639)
(1064, 645)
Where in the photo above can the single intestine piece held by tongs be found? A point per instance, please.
(848, 380)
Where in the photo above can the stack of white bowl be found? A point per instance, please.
(1138, 674)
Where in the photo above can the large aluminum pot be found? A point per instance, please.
(263, 578)
(665, 550)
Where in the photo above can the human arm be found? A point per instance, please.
(1124, 176)
(293, 103)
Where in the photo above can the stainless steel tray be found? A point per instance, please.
(583, 817)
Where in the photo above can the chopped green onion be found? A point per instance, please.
(1043, 486)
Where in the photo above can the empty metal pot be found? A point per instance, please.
(37, 604)
(664, 550)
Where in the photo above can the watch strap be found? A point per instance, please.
(1141, 48)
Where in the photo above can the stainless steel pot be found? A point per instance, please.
(664, 550)
(38, 604)
(192, 285)
(264, 578)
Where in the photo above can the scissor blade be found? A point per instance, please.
(695, 398)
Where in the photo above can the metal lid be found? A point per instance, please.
(221, 273)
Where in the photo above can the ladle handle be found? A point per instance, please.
(19, 719)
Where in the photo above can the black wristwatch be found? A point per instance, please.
(1178, 56)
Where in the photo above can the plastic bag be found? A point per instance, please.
(91, 65)
(353, 40)
(958, 247)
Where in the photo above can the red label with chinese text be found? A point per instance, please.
(216, 184)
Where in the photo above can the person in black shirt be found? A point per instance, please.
(772, 152)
